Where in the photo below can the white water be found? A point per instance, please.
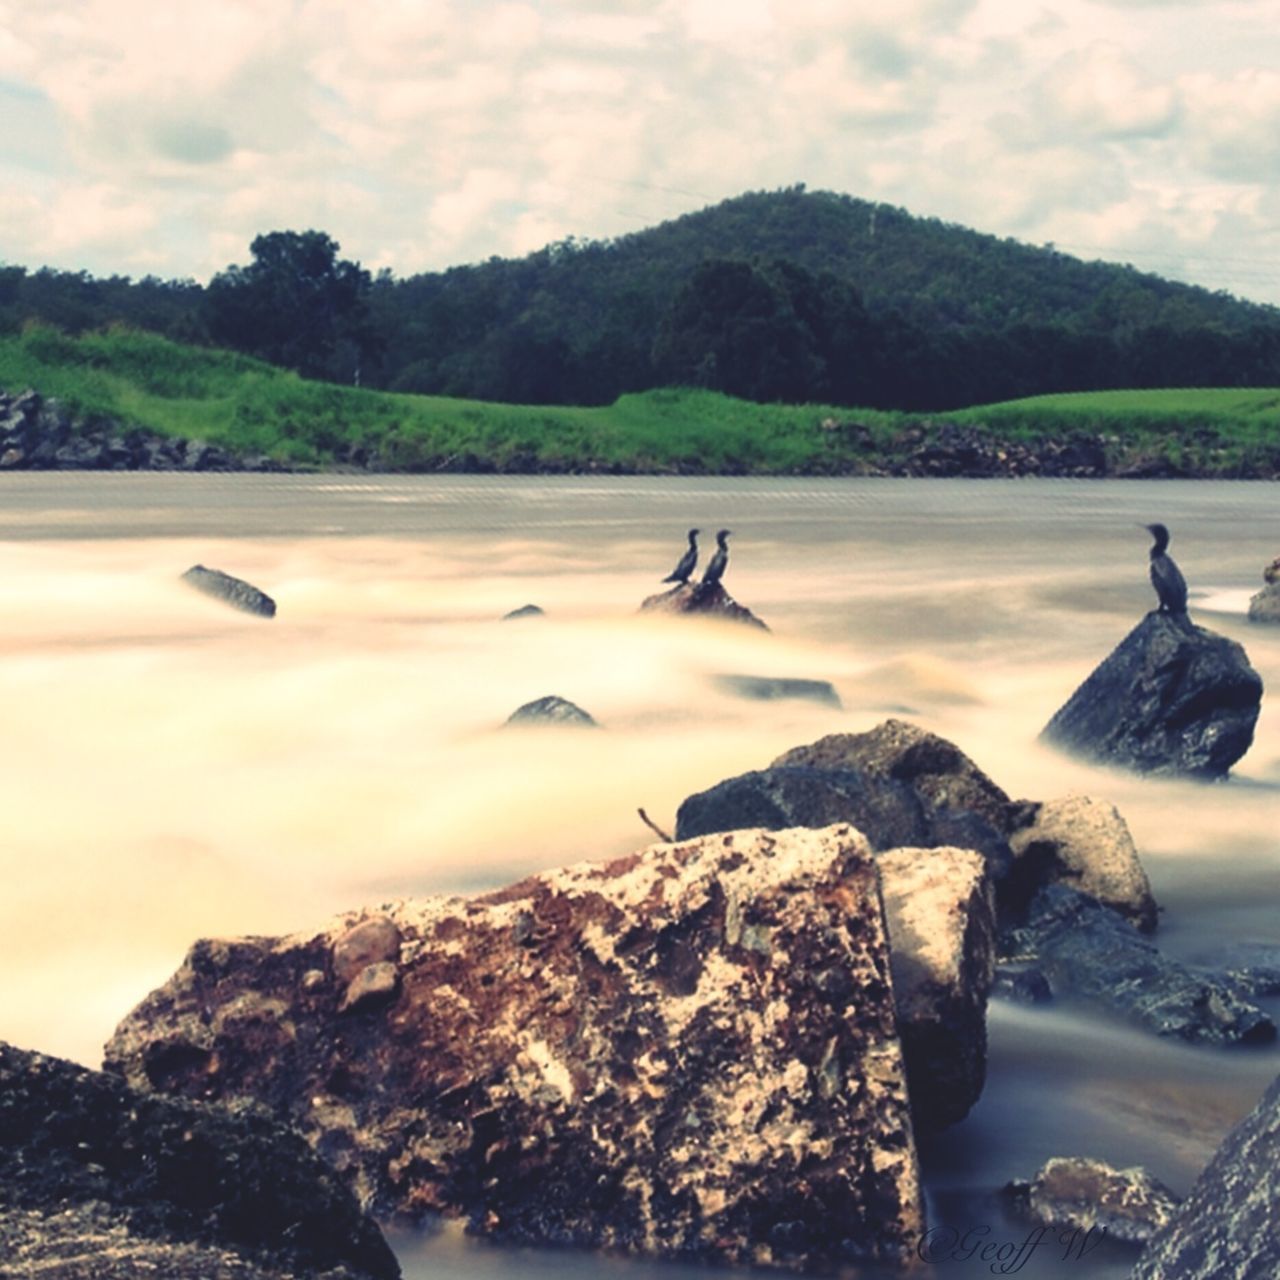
(172, 769)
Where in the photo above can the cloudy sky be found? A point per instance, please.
(143, 137)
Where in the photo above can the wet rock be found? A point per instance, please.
(1226, 1227)
(709, 602)
(1086, 844)
(1263, 607)
(687, 1052)
(1091, 953)
(1172, 698)
(525, 611)
(550, 710)
(1021, 983)
(1253, 966)
(940, 909)
(766, 688)
(98, 1180)
(1087, 1195)
(1271, 574)
(234, 591)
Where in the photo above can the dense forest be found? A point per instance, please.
(788, 296)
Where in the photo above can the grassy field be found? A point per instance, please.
(252, 408)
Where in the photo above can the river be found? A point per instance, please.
(172, 769)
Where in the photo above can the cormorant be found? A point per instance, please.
(682, 571)
(1166, 577)
(715, 570)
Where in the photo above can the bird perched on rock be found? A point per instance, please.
(682, 571)
(1166, 577)
(715, 570)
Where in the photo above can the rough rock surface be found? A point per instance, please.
(235, 591)
(98, 1180)
(688, 1052)
(1086, 844)
(1226, 1227)
(940, 908)
(1074, 1191)
(1090, 952)
(1265, 605)
(551, 710)
(1172, 698)
(766, 688)
(1253, 966)
(710, 602)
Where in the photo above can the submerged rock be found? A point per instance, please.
(1086, 844)
(525, 611)
(940, 909)
(98, 1180)
(693, 598)
(688, 1052)
(1265, 605)
(766, 688)
(1172, 698)
(1087, 1195)
(1090, 952)
(1226, 1227)
(234, 591)
(550, 710)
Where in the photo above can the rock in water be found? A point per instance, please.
(235, 591)
(693, 598)
(1172, 698)
(767, 688)
(98, 1180)
(1265, 606)
(524, 611)
(689, 1052)
(551, 710)
(1226, 1227)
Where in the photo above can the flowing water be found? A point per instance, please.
(172, 769)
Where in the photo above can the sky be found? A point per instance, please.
(159, 138)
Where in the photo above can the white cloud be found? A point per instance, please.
(1234, 124)
(1100, 92)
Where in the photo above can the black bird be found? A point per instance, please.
(682, 571)
(715, 570)
(1166, 577)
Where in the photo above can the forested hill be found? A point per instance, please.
(788, 295)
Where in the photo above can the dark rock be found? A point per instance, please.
(550, 710)
(1090, 952)
(688, 1052)
(236, 592)
(99, 1180)
(1172, 698)
(1226, 1227)
(695, 599)
(766, 688)
(1271, 574)
(1077, 1193)
(525, 611)
(1253, 966)
(1024, 984)
(940, 909)
(1263, 607)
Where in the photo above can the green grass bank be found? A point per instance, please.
(253, 409)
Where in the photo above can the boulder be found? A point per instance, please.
(688, 1052)
(550, 710)
(1172, 698)
(693, 598)
(1089, 952)
(234, 591)
(1226, 1227)
(940, 909)
(1076, 1193)
(766, 688)
(1086, 844)
(1265, 606)
(100, 1181)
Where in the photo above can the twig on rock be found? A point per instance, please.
(653, 826)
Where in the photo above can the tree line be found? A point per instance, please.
(787, 296)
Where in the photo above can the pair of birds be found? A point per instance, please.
(714, 570)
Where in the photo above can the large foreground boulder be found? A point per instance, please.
(100, 1182)
(1228, 1226)
(693, 599)
(1172, 698)
(688, 1052)
(1091, 953)
(940, 909)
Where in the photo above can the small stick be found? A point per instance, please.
(653, 826)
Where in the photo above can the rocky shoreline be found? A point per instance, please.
(40, 434)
